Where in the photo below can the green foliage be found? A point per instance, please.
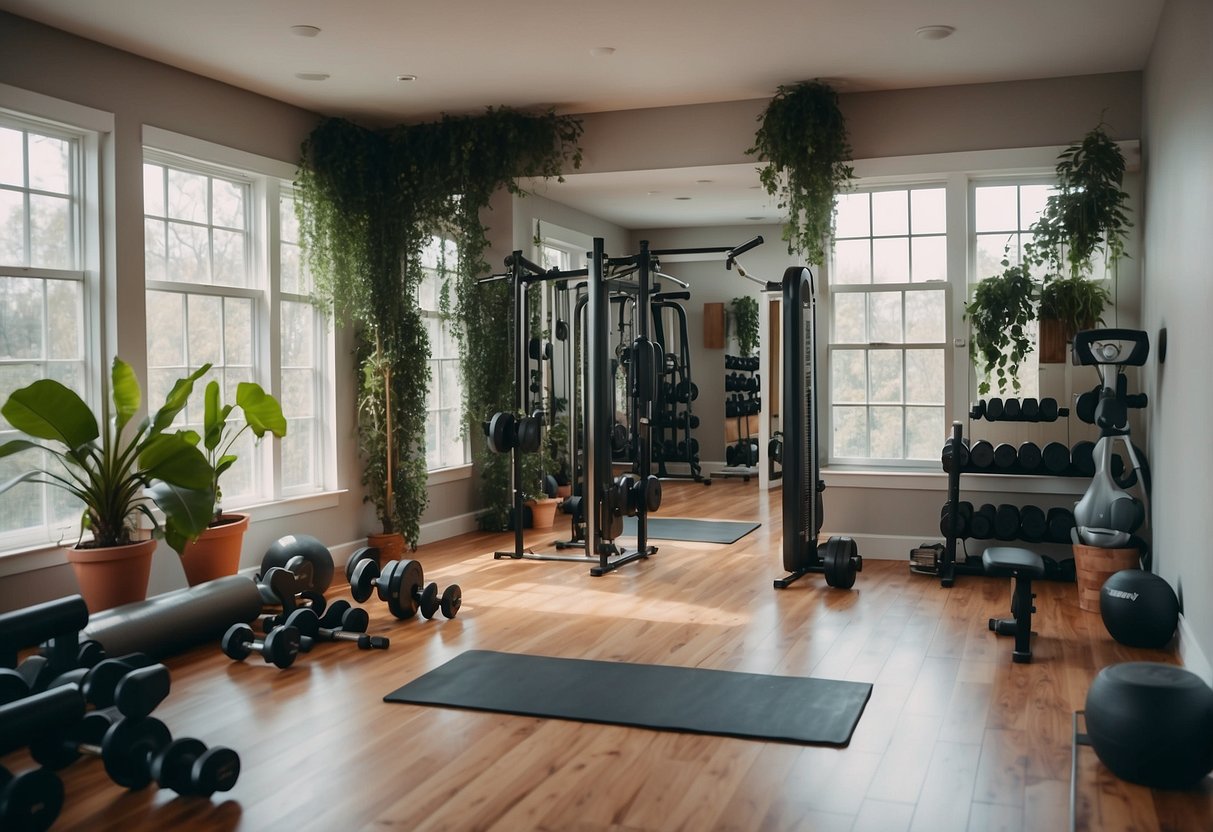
(745, 314)
(1001, 309)
(1075, 301)
(261, 413)
(1088, 209)
(369, 203)
(106, 473)
(804, 137)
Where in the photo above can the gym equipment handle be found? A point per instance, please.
(34, 625)
(27, 719)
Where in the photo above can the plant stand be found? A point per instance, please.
(1094, 566)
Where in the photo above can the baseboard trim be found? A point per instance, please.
(431, 532)
(1191, 654)
(881, 546)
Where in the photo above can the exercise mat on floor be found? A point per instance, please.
(693, 531)
(690, 699)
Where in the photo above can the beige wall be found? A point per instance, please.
(1178, 296)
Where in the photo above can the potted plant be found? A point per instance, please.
(216, 552)
(538, 486)
(1086, 213)
(999, 314)
(115, 476)
(745, 315)
(803, 136)
(377, 438)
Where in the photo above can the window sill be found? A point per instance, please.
(924, 480)
(438, 476)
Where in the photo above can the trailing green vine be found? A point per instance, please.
(803, 136)
(999, 314)
(369, 201)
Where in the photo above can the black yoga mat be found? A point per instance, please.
(695, 531)
(748, 705)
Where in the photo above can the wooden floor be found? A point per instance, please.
(955, 736)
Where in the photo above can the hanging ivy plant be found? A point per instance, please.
(803, 136)
(745, 314)
(369, 201)
(999, 314)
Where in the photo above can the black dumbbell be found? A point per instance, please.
(994, 409)
(1033, 526)
(1049, 411)
(398, 584)
(981, 455)
(1005, 455)
(954, 457)
(1011, 410)
(1082, 458)
(280, 588)
(30, 800)
(354, 624)
(1055, 457)
(963, 514)
(1029, 456)
(1006, 522)
(280, 647)
(1029, 410)
(451, 601)
(191, 769)
(332, 617)
(1060, 522)
(981, 524)
(12, 686)
(131, 684)
(126, 746)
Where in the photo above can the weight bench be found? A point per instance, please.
(1023, 566)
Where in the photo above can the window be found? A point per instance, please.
(888, 325)
(226, 285)
(1002, 215)
(446, 444)
(46, 178)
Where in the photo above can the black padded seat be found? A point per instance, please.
(1023, 565)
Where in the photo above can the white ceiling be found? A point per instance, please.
(469, 54)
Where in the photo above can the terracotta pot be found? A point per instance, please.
(543, 512)
(112, 576)
(216, 552)
(1094, 566)
(390, 546)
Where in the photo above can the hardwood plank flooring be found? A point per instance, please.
(955, 736)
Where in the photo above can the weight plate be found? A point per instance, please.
(335, 614)
(32, 799)
(628, 485)
(361, 554)
(452, 600)
(215, 770)
(171, 767)
(363, 581)
(840, 564)
(502, 433)
(355, 620)
(316, 601)
(652, 493)
(428, 602)
(405, 584)
(127, 748)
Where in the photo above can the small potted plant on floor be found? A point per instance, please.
(538, 486)
(216, 552)
(115, 476)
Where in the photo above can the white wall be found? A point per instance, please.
(1178, 296)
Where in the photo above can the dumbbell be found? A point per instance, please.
(1029, 456)
(963, 513)
(1011, 410)
(30, 800)
(332, 617)
(1082, 458)
(12, 686)
(1049, 411)
(1006, 522)
(977, 409)
(994, 409)
(354, 624)
(1060, 522)
(981, 524)
(954, 457)
(1055, 457)
(1029, 410)
(280, 647)
(138, 752)
(981, 454)
(280, 588)
(132, 684)
(1005, 455)
(1033, 526)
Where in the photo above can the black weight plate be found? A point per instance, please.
(428, 601)
(652, 493)
(281, 647)
(502, 434)
(366, 576)
(452, 600)
(840, 566)
(216, 770)
(32, 800)
(335, 614)
(128, 748)
(12, 686)
(316, 601)
(237, 641)
(171, 767)
(361, 554)
(405, 584)
(355, 620)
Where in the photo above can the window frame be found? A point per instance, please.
(460, 470)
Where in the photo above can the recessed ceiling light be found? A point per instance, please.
(406, 77)
(934, 32)
(755, 187)
(682, 198)
(312, 76)
(755, 218)
(602, 51)
(305, 31)
(703, 181)
(651, 193)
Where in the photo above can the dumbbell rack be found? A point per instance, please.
(673, 430)
(741, 408)
(949, 566)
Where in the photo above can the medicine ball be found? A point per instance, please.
(307, 547)
(1139, 608)
(1152, 723)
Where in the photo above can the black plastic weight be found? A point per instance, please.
(981, 455)
(1082, 458)
(1049, 411)
(191, 769)
(1011, 410)
(399, 584)
(29, 801)
(354, 624)
(1033, 525)
(994, 409)
(500, 432)
(1006, 522)
(1005, 455)
(840, 561)
(981, 524)
(954, 457)
(1055, 457)
(1060, 522)
(1029, 410)
(1029, 456)
(961, 517)
(279, 648)
(132, 684)
(127, 747)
